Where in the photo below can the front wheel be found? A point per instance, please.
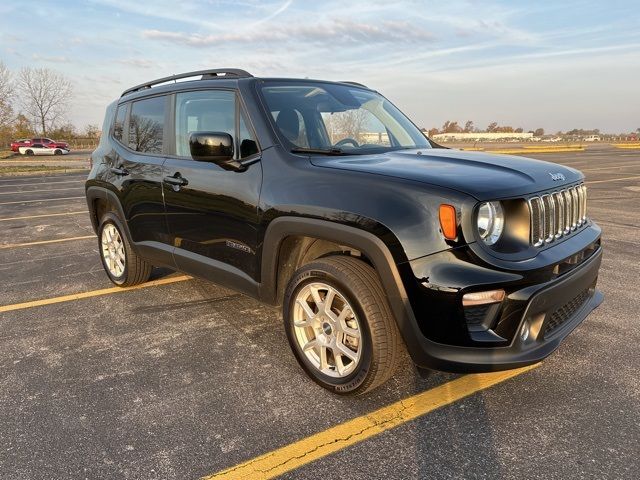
(123, 266)
(340, 326)
(29, 152)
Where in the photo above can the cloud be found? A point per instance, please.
(334, 32)
(53, 58)
(137, 62)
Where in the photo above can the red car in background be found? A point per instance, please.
(47, 142)
(20, 143)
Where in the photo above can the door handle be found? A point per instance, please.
(123, 172)
(176, 181)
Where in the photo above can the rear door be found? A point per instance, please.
(136, 174)
(213, 216)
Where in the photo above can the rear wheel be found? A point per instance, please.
(29, 152)
(123, 266)
(340, 326)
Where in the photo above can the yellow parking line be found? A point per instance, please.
(28, 217)
(45, 190)
(41, 200)
(38, 183)
(615, 179)
(92, 293)
(334, 439)
(44, 242)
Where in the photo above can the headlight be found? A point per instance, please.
(490, 222)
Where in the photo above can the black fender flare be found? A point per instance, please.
(369, 244)
(94, 193)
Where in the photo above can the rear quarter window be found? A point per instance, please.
(118, 125)
(146, 125)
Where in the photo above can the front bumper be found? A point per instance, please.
(553, 309)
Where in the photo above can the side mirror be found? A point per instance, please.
(215, 147)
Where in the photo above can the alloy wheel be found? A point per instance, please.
(327, 329)
(113, 250)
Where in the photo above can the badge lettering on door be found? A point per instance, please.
(238, 246)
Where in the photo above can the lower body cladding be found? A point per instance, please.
(525, 323)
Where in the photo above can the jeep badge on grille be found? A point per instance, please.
(556, 177)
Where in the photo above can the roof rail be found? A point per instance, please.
(204, 74)
(354, 83)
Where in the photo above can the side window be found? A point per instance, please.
(118, 126)
(203, 111)
(247, 142)
(146, 125)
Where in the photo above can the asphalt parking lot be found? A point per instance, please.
(184, 379)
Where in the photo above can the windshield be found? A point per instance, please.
(332, 118)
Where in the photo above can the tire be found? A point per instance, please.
(379, 347)
(57, 152)
(134, 269)
(29, 153)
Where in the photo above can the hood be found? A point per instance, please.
(482, 175)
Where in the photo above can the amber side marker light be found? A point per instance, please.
(448, 221)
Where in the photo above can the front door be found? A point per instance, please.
(213, 215)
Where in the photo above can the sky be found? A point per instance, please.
(555, 65)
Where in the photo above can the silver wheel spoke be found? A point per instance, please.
(339, 364)
(315, 293)
(308, 313)
(346, 351)
(342, 322)
(328, 300)
(323, 358)
(310, 345)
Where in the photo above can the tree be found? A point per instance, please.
(6, 112)
(493, 126)
(468, 127)
(66, 131)
(451, 127)
(433, 131)
(539, 132)
(348, 124)
(22, 127)
(46, 95)
(92, 131)
(519, 130)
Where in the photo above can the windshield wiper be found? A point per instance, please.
(321, 151)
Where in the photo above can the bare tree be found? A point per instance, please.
(46, 95)
(348, 124)
(6, 92)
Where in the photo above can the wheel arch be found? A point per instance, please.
(276, 245)
(101, 200)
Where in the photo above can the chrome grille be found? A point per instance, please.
(557, 214)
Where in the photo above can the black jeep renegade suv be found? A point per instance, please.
(324, 198)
